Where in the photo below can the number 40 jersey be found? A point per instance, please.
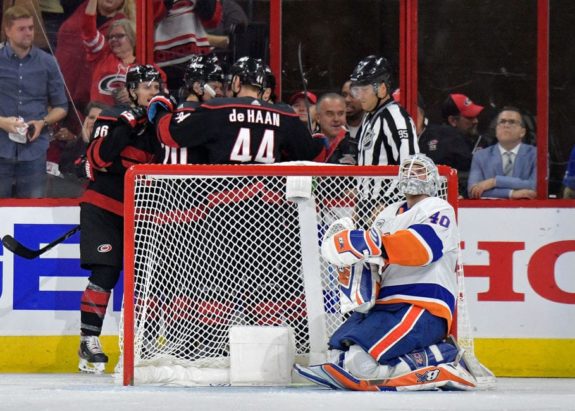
(235, 131)
(422, 243)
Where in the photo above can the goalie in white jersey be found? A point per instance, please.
(399, 279)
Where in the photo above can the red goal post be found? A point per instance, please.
(208, 247)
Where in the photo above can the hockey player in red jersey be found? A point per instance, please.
(238, 130)
(395, 337)
(121, 138)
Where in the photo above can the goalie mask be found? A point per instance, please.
(418, 175)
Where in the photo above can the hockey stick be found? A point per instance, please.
(304, 83)
(17, 248)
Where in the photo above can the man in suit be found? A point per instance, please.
(508, 168)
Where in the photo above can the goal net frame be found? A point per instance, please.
(151, 171)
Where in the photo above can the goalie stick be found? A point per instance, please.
(19, 249)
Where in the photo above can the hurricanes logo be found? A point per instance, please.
(104, 248)
(111, 82)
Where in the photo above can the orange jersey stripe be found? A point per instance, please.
(404, 248)
(433, 307)
(397, 333)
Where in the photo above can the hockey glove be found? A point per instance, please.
(83, 168)
(348, 247)
(135, 117)
(159, 103)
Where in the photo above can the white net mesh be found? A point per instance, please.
(212, 251)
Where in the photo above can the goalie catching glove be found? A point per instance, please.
(348, 247)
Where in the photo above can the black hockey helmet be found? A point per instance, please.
(370, 70)
(251, 71)
(270, 78)
(203, 68)
(141, 73)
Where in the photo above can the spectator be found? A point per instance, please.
(507, 169)
(305, 109)
(63, 152)
(460, 112)
(330, 117)
(34, 9)
(30, 84)
(353, 112)
(53, 16)
(181, 32)
(110, 56)
(71, 55)
(442, 143)
(233, 19)
(569, 179)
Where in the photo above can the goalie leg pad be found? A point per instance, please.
(444, 376)
(348, 247)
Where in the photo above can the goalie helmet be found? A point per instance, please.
(203, 68)
(141, 73)
(251, 71)
(371, 70)
(418, 175)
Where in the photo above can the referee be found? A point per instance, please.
(387, 134)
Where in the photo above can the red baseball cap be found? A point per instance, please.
(460, 105)
(312, 98)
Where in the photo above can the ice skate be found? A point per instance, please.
(92, 358)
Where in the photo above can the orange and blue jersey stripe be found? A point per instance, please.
(433, 297)
(419, 245)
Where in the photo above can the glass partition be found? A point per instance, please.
(484, 49)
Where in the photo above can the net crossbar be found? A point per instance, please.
(210, 247)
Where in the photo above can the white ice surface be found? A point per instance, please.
(77, 392)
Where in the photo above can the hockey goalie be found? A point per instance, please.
(399, 280)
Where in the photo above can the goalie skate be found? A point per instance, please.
(92, 358)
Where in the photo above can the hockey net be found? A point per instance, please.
(210, 247)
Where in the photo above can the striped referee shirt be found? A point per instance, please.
(387, 136)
